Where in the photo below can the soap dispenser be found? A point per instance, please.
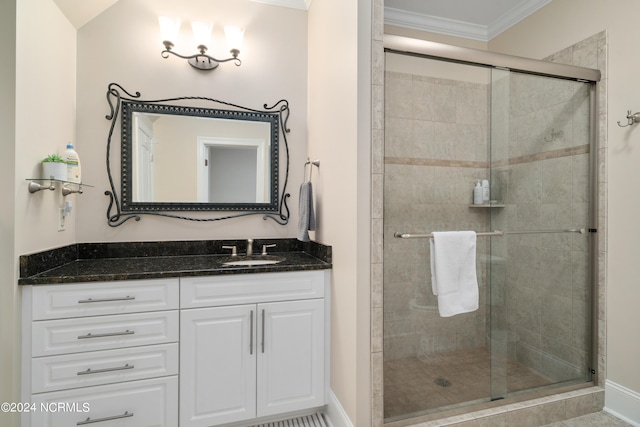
(477, 193)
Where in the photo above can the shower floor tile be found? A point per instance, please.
(431, 382)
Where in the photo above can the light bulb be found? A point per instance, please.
(169, 28)
(234, 37)
(202, 32)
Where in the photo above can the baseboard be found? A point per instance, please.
(622, 402)
(335, 415)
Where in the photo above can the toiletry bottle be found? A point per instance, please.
(73, 164)
(477, 194)
(485, 191)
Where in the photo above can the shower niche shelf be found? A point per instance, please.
(489, 205)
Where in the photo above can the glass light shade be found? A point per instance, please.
(169, 28)
(234, 37)
(202, 32)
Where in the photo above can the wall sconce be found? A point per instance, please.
(202, 33)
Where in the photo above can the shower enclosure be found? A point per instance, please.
(449, 124)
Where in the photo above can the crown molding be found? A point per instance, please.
(468, 30)
(294, 4)
(514, 15)
(434, 24)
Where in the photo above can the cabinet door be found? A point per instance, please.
(217, 365)
(291, 356)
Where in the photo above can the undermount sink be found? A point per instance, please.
(250, 262)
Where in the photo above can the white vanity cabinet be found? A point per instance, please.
(235, 349)
(252, 346)
(101, 353)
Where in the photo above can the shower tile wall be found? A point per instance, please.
(435, 149)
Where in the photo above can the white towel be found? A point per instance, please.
(453, 272)
(307, 219)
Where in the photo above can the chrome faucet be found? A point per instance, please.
(234, 251)
(249, 247)
(264, 248)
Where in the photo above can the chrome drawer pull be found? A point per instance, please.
(126, 414)
(99, 371)
(127, 298)
(109, 334)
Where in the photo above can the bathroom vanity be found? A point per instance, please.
(192, 339)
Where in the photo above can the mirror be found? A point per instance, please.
(184, 158)
(192, 158)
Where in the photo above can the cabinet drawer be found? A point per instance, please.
(79, 300)
(222, 290)
(67, 371)
(51, 337)
(146, 403)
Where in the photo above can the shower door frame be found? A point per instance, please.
(443, 52)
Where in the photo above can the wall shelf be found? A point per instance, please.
(68, 187)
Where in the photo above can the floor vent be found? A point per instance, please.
(315, 420)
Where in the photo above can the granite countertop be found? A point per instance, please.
(92, 262)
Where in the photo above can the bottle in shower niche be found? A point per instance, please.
(477, 193)
(485, 191)
(73, 164)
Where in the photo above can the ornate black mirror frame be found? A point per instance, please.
(131, 202)
(118, 212)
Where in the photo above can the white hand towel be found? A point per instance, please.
(307, 219)
(453, 272)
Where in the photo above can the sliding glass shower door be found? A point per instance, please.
(436, 147)
(540, 282)
(448, 125)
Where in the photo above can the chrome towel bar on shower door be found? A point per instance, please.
(430, 236)
(495, 233)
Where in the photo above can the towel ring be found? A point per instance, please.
(315, 163)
